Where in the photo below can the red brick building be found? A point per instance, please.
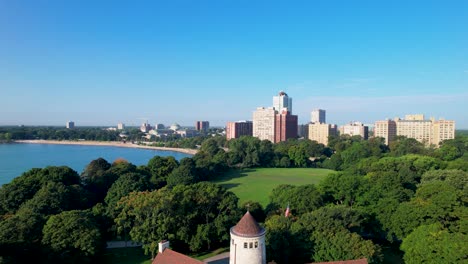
(285, 126)
(238, 129)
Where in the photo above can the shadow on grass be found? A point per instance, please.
(233, 174)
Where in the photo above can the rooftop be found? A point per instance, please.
(247, 227)
(169, 256)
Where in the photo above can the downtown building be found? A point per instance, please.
(238, 129)
(318, 116)
(275, 123)
(320, 132)
(202, 125)
(355, 129)
(426, 131)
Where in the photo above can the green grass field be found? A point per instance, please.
(256, 184)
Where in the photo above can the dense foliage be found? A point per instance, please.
(380, 200)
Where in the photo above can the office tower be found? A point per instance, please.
(70, 125)
(318, 116)
(321, 132)
(238, 129)
(355, 129)
(385, 129)
(120, 126)
(264, 123)
(285, 126)
(202, 125)
(282, 101)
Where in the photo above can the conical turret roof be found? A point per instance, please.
(247, 227)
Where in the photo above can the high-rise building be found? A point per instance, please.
(427, 131)
(285, 126)
(120, 126)
(355, 129)
(202, 125)
(282, 101)
(321, 132)
(318, 116)
(385, 129)
(442, 130)
(238, 129)
(264, 123)
(70, 125)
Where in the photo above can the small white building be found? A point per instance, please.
(247, 242)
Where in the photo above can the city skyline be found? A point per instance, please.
(178, 62)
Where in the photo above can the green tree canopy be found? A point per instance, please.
(72, 236)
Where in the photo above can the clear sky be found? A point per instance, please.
(104, 62)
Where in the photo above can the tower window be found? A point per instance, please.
(245, 244)
(256, 244)
(251, 245)
(233, 241)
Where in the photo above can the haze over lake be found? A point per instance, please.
(18, 158)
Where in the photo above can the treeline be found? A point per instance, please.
(397, 197)
(56, 133)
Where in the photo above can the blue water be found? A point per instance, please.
(18, 158)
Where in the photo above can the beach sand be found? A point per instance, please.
(105, 143)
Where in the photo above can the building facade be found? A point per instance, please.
(321, 132)
(303, 131)
(285, 126)
(202, 125)
(426, 131)
(355, 129)
(318, 116)
(264, 123)
(385, 129)
(120, 126)
(282, 101)
(238, 129)
(70, 125)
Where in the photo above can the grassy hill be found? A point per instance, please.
(256, 184)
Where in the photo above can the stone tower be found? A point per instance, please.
(247, 242)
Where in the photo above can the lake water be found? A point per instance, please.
(18, 158)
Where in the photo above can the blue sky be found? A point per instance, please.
(104, 62)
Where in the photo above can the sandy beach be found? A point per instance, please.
(106, 143)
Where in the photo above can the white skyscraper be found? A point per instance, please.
(282, 101)
(318, 116)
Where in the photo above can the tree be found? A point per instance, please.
(23, 188)
(301, 199)
(402, 146)
(127, 183)
(72, 236)
(434, 202)
(19, 235)
(184, 174)
(340, 244)
(434, 244)
(341, 188)
(255, 209)
(455, 178)
(97, 178)
(193, 217)
(160, 168)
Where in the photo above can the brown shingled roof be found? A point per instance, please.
(169, 256)
(354, 261)
(247, 227)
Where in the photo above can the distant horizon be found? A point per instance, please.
(166, 62)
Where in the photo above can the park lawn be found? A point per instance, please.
(257, 184)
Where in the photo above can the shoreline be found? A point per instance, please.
(104, 144)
